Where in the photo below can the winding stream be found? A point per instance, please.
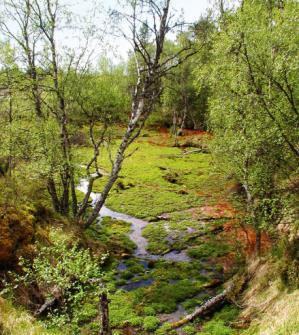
(137, 225)
(141, 253)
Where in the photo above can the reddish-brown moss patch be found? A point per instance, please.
(16, 235)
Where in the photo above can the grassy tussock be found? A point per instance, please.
(273, 310)
(15, 322)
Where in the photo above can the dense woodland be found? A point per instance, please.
(191, 141)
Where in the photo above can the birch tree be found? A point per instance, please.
(148, 23)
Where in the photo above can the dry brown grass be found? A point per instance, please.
(270, 307)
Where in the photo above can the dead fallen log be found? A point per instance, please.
(214, 218)
(53, 302)
(234, 287)
(50, 303)
(198, 150)
(205, 308)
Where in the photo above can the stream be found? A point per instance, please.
(141, 253)
(137, 225)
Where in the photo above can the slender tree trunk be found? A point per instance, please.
(67, 175)
(147, 89)
(126, 141)
(53, 193)
(104, 312)
(74, 195)
(258, 242)
(10, 117)
(174, 128)
(184, 113)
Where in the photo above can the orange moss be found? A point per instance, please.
(192, 132)
(16, 235)
(220, 210)
(165, 137)
(245, 236)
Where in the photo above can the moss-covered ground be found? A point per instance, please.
(186, 202)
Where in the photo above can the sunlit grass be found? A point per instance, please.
(14, 321)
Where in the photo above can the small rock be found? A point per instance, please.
(183, 192)
(125, 255)
(163, 217)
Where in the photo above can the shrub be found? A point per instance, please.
(71, 274)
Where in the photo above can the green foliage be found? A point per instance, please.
(104, 94)
(185, 99)
(287, 255)
(165, 329)
(189, 330)
(253, 114)
(69, 272)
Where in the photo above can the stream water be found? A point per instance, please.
(137, 225)
(141, 253)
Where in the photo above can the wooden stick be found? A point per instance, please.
(204, 309)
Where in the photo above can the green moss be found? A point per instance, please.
(191, 304)
(127, 275)
(165, 329)
(150, 323)
(88, 311)
(216, 327)
(113, 234)
(122, 310)
(170, 183)
(227, 314)
(156, 236)
(149, 311)
(136, 268)
(220, 323)
(209, 249)
(189, 330)
(195, 173)
(163, 297)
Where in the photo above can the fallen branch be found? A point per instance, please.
(235, 286)
(46, 306)
(214, 218)
(206, 308)
(199, 150)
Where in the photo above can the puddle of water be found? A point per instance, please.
(134, 285)
(121, 267)
(176, 256)
(175, 316)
